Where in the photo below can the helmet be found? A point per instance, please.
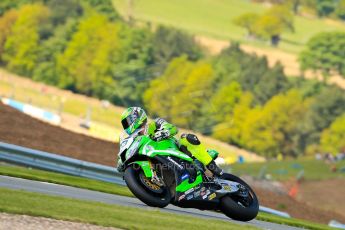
(132, 119)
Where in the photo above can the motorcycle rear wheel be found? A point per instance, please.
(144, 192)
(234, 207)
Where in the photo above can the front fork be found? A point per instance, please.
(155, 179)
(149, 171)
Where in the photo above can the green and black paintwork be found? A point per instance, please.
(171, 176)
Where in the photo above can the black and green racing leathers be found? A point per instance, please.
(160, 129)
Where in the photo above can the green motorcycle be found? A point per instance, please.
(158, 174)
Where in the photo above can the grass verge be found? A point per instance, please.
(36, 204)
(287, 169)
(57, 178)
(292, 222)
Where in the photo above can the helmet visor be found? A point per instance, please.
(128, 121)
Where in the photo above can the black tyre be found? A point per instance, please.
(237, 207)
(149, 193)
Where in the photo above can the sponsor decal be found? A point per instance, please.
(189, 197)
(204, 197)
(205, 193)
(227, 187)
(184, 176)
(203, 189)
(175, 163)
(189, 191)
(181, 197)
(196, 194)
(212, 196)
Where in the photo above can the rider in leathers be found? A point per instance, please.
(134, 118)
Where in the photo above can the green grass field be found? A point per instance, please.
(213, 18)
(287, 169)
(57, 178)
(36, 204)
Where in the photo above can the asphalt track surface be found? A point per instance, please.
(84, 194)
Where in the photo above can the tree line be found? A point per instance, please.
(279, 18)
(86, 47)
(236, 97)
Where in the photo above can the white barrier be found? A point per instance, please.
(336, 224)
(33, 111)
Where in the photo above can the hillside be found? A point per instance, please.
(100, 55)
(74, 108)
(213, 18)
(212, 22)
(20, 129)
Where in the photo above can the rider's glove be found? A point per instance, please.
(161, 134)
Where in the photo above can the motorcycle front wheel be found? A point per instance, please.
(242, 206)
(146, 191)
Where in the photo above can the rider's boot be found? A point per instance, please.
(190, 144)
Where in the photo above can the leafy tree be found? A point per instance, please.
(333, 138)
(180, 92)
(252, 72)
(272, 82)
(21, 45)
(233, 64)
(46, 68)
(254, 75)
(133, 66)
(323, 110)
(227, 65)
(277, 129)
(6, 23)
(171, 43)
(84, 65)
(188, 102)
(6, 5)
(160, 95)
(269, 130)
(63, 10)
(307, 88)
(247, 21)
(273, 23)
(325, 52)
(224, 100)
(340, 10)
(105, 7)
(270, 25)
(286, 19)
(325, 7)
(232, 128)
